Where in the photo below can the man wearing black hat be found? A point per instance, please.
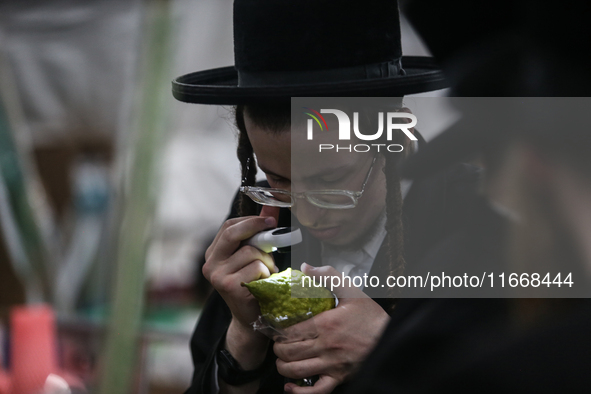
(342, 51)
(532, 219)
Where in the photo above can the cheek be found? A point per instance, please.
(370, 207)
(375, 196)
(358, 220)
(354, 222)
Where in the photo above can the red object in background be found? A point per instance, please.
(4, 382)
(33, 353)
(33, 348)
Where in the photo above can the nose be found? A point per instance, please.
(270, 211)
(308, 214)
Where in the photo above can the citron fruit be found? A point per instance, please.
(274, 295)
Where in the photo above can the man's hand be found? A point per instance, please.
(227, 265)
(346, 335)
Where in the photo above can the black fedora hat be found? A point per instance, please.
(312, 48)
(526, 60)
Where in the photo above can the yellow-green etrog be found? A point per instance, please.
(274, 295)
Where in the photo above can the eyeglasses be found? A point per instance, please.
(327, 199)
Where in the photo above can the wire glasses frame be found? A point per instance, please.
(327, 199)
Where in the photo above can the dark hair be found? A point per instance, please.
(277, 117)
(248, 166)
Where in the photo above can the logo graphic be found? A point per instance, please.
(316, 119)
(387, 122)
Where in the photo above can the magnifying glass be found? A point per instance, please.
(276, 240)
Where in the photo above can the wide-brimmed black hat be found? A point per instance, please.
(526, 60)
(312, 48)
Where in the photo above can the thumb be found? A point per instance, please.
(341, 285)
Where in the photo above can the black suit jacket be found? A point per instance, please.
(433, 208)
(554, 356)
(423, 331)
(473, 345)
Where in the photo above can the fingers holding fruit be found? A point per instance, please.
(344, 337)
(325, 384)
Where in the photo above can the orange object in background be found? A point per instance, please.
(4, 382)
(33, 348)
(33, 354)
